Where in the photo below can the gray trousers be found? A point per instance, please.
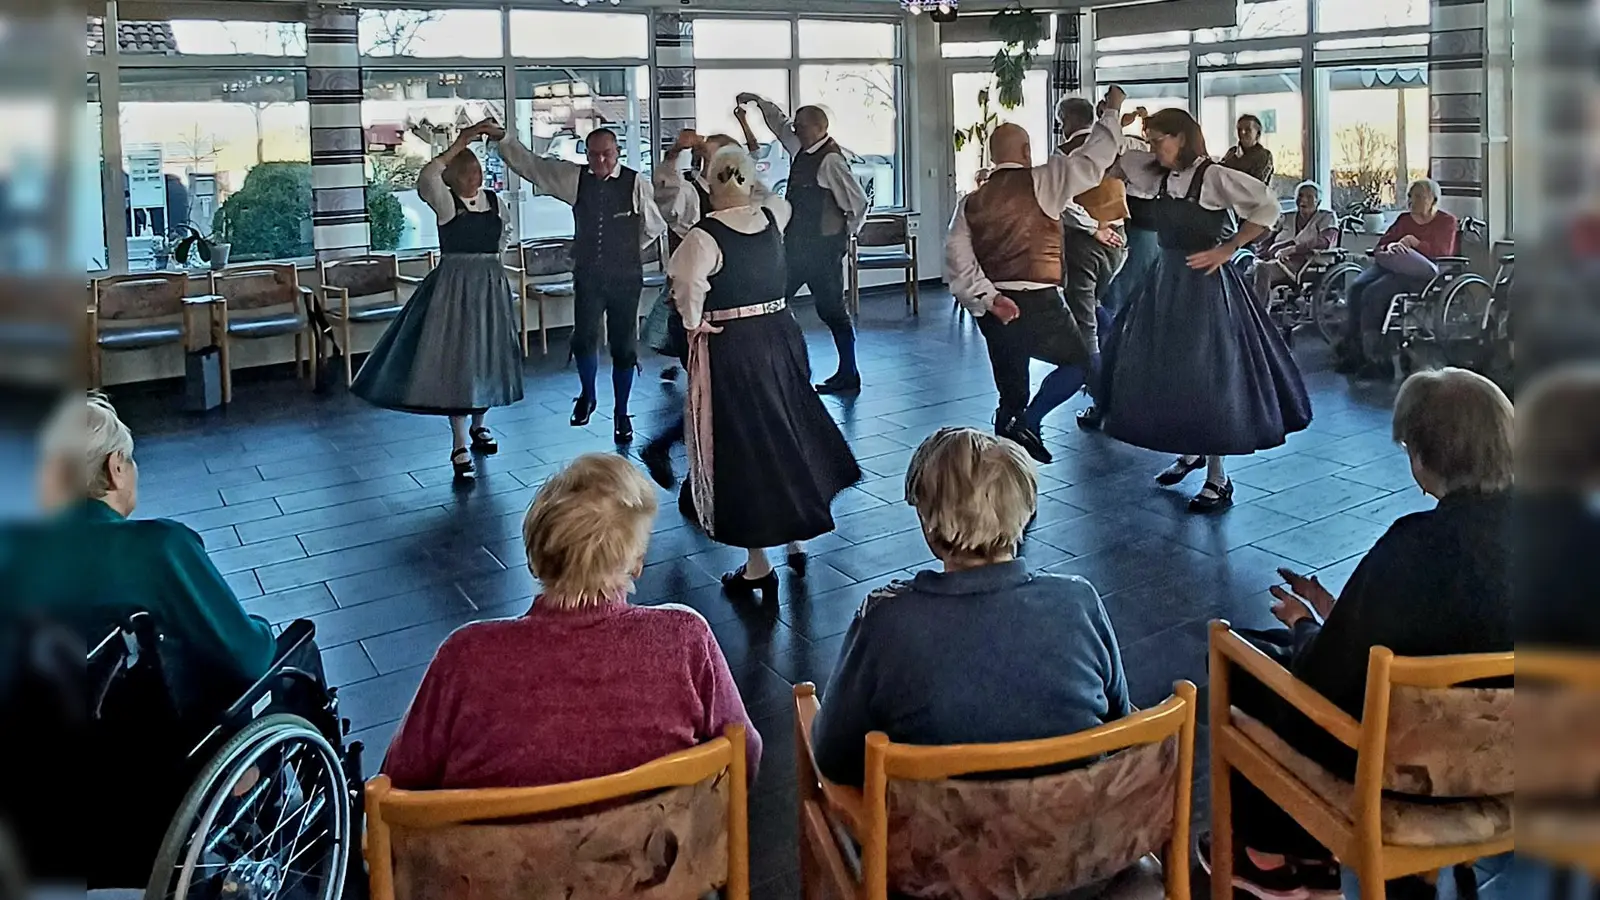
(1090, 266)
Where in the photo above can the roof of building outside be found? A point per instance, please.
(135, 37)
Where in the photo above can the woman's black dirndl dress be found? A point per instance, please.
(1193, 366)
(765, 458)
(453, 349)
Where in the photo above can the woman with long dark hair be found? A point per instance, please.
(1193, 366)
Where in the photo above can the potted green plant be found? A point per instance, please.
(978, 133)
(212, 249)
(1020, 30)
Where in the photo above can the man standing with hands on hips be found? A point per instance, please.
(829, 206)
(1004, 258)
(614, 217)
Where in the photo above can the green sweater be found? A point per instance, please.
(90, 568)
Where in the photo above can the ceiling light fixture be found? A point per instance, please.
(917, 7)
(583, 3)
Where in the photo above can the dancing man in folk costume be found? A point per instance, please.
(453, 350)
(1193, 366)
(829, 206)
(765, 458)
(614, 218)
(1004, 259)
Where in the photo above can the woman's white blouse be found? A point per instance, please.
(1224, 188)
(698, 257)
(434, 192)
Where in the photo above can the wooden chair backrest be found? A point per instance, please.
(672, 828)
(884, 230)
(546, 256)
(146, 295)
(1054, 832)
(363, 276)
(1442, 737)
(258, 285)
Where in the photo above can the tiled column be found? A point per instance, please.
(1457, 107)
(674, 76)
(338, 166)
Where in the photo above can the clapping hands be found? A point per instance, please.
(1299, 597)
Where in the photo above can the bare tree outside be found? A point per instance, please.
(394, 31)
(1365, 167)
(197, 149)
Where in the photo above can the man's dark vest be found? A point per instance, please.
(815, 213)
(607, 227)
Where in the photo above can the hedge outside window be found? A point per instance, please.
(556, 108)
(409, 117)
(225, 150)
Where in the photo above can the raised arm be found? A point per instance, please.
(678, 204)
(750, 141)
(430, 181)
(555, 177)
(776, 120)
(972, 289)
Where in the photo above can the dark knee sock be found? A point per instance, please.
(1057, 388)
(621, 386)
(844, 339)
(588, 365)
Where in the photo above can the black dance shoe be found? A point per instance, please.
(797, 560)
(1179, 470)
(483, 442)
(1090, 419)
(1213, 497)
(622, 430)
(1019, 431)
(461, 461)
(657, 459)
(840, 384)
(582, 410)
(738, 587)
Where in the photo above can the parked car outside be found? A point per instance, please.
(875, 173)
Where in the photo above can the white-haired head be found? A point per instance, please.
(87, 451)
(732, 177)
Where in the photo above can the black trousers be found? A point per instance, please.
(1090, 267)
(819, 263)
(1044, 330)
(617, 301)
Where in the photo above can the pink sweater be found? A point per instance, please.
(558, 696)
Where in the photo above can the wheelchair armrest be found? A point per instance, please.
(1459, 262)
(1507, 259)
(254, 699)
(296, 635)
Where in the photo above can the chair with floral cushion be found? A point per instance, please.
(1423, 733)
(671, 829)
(924, 826)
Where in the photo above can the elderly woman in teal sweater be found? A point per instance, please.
(88, 566)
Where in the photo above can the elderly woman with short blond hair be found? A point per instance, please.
(984, 650)
(584, 684)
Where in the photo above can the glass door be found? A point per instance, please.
(1273, 96)
(1033, 114)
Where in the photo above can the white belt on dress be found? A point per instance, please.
(744, 312)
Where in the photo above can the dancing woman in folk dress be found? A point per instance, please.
(765, 458)
(1193, 366)
(454, 349)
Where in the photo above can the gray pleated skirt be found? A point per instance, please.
(454, 348)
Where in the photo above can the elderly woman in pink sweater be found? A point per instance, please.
(584, 684)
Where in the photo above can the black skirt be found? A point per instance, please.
(778, 459)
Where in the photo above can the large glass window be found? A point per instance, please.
(197, 37)
(742, 39)
(861, 101)
(1355, 15)
(716, 89)
(1153, 96)
(408, 117)
(1033, 114)
(824, 39)
(1264, 18)
(226, 150)
(1273, 96)
(1374, 138)
(557, 107)
(431, 33)
(571, 34)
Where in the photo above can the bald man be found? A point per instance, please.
(1003, 260)
(828, 205)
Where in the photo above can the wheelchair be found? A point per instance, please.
(1451, 320)
(1317, 295)
(261, 801)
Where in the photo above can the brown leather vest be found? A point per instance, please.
(1013, 239)
(1106, 201)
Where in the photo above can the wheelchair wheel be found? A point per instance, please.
(1329, 303)
(1464, 323)
(268, 818)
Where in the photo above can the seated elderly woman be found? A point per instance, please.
(1402, 263)
(584, 684)
(89, 566)
(1436, 583)
(1300, 234)
(984, 650)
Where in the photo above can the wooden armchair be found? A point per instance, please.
(262, 300)
(672, 829)
(885, 241)
(924, 830)
(543, 269)
(1420, 733)
(133, 312)
(360, 290)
